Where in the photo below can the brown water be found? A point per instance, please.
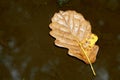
(27, 51)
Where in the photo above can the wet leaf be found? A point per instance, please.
(73, 32)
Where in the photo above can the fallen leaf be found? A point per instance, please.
(73, 32)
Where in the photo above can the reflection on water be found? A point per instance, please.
(24, 63)
(50, 68)
(102, 74)
(11, 43)
(8, 60)
(17, 71)
(33, 73)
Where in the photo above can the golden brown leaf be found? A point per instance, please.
(72, 31)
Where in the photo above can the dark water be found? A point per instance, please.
(27, 52)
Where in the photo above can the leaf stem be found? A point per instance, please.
(87, 58)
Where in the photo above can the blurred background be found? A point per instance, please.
(27, 51)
